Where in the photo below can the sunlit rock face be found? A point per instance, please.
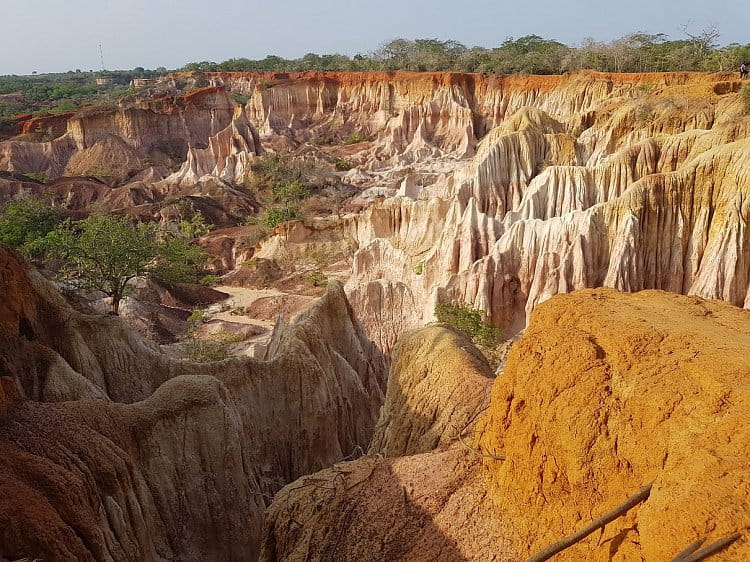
(605, 393)
(157, 127)
(583, 180)
(505, 190)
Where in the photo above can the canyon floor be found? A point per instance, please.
(598, 221)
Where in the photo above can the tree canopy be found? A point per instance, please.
(695, 49)
(24, 224)
(105, 253)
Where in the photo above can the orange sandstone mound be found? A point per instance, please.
(606, 392)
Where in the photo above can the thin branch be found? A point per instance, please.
(692, 547)
(473, 450)
(710, 550)
(619, 511)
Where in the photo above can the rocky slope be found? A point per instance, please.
(437, 388)
(111, 450)
(500, 193)
(208, 180)
(605, 392)
(628, 181)
(160, 127)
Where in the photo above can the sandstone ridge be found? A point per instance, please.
(151, 458)
(604, 393)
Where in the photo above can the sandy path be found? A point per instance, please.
(243, 297)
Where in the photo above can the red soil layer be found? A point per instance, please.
(57, 123)
(198, 96)
(515, 81)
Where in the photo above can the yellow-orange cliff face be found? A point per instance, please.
(605, 392)
(418, 115)
(509, 189)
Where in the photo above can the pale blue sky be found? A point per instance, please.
(60, 35)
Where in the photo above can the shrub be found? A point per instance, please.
(39, 177)
(204, 351)
(290, 192)
(469, 321)
(196, 226)
(342, 165)
(317, 279)
(274, 216)
(419, 268)
(355, 138)
(239, 99)
(209, 280)
(198, 316)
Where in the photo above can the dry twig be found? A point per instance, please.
(692, 554)
(608, 517)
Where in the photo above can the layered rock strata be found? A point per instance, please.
(112, 450)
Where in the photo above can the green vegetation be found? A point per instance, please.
(275, 216)
(49, 94)
(317, 279)
(195, 227)
(24, 225)
(274, 169)
(470, 321)
(203, 351)
(355, 138)
(289, 195)
(209, 280)
(343, 165)
(39, 177)
(286, 200)
(198, 316)
(419, 268)
(697, 50)
(239, 99)
(105, 253)
(215, 348)
(285, 183)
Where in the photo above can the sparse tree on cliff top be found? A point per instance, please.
(105, 253)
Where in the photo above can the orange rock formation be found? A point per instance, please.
(604, 393)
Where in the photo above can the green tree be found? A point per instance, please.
(470, 321)
(24, 224)
(195, 227)
(105, 253)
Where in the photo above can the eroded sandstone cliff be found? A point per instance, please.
(606, 392)
(628, 181)
(161, 127)
(138, 456)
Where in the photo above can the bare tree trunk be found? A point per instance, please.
(114, 308)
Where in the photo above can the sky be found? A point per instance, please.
(61, 35)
